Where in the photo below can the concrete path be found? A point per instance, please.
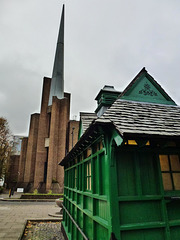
(14, 215)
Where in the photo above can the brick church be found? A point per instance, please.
(51, 133)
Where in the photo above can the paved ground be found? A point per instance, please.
(14, 215)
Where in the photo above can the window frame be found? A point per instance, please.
(170, 171)
(88, 175)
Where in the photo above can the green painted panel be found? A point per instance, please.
(70, 194)
(79, 236)
(139, 212)
(75, 213)
(147, 234)
(80, 177)
(88, 227)
(149, 174)
(88, 203)
(74, 196)
(100, 232)
(126, 174)
(101, 209)
(173, 209)
(80, 218)
(74, 232)
(73, 227)
(175, 233)
(96, 176)
(69, 221)
(80, 200)
(146, 90)
(103, 173)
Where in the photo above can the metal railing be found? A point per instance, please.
(74, 222)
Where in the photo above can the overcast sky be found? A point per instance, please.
(106, 42)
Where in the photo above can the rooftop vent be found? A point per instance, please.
(105, 99)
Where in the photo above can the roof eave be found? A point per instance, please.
(86, 138)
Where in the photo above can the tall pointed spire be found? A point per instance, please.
(57, 82)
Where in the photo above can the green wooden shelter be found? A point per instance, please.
(122, 178)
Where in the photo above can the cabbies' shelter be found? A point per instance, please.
(122, 178)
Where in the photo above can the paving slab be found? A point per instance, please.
(14, 216)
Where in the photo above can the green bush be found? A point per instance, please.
(35, 192)
(50, 192)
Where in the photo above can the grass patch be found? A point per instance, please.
(41, 196)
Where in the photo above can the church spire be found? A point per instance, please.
(57, 82)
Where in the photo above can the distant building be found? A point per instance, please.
(122, 178)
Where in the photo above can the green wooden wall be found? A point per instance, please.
(143, 211)
(120, 190)
(86, 194)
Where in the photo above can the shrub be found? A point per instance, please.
(35, 192)
(50, 192)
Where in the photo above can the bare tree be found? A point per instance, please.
(5, 146)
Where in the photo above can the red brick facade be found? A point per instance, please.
(22, 159)
(50, 137)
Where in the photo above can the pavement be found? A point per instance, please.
(15, 213)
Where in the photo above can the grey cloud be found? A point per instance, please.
(106, 42)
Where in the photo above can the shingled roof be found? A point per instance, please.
(144, 118)
(86, 119)
(134, 119)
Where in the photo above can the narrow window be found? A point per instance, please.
(170, 168)
(88, 175)
(89, 152)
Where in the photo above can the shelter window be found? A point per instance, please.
(170, 168)
(88, 175)
(100, 145)
(89, 152)
(75, 177)
(132, 142)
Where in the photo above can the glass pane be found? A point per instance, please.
(89, 151)
(132, 142)
(175, 164)
(176, 178)
(89, 168)
(89, 183)
(167, 181)
(164, 162)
